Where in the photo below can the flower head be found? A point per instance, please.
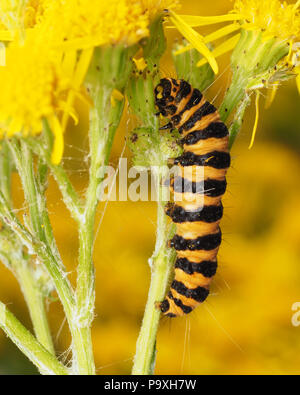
(274, 18)
(33, 89)
(84, 24)
(16, 16)
(271, 17)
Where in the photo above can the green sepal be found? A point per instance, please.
(111, 66)
(155, 45)
(254, 64)
(140, 93)
(186, 68)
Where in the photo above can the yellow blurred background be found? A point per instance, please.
(245, 325)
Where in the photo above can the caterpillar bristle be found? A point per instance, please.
(202, 176)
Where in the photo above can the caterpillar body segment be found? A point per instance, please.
(197, 190)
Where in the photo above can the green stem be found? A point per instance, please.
(37, 247)
(25, 341)
(103, 124)
(12, 255)
(5, 171)
(82, 346)
(35, 302)
(161, 268)
(238, 119)
(69, 195)
(24, 273)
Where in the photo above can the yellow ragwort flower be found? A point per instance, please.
(31, 82)
(81, 25)
(85, 24)
(18, 15)
(33, 89)
(274, 18)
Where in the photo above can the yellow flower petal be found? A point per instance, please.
(140, 64)
(82, 66)
(297, 4)
(194, 20)
(6, 35)
(58, 146)
(256, 119)
(116, 95)
(222, 32)
(195, 39)
(79, 75)
(183, 49)
(212, 37)
(69, 62)
(227, 46)
(83, 43)
(271, 95)
(71, 111)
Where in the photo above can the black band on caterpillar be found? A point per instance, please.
(213, 188)
(206, 109)
(206, 268)
(208, 214)
(215, 159)
(207, 243)
(184, 91)
(186, 309)
(187, 110)
(199, 294)
(195, 99)
(215, 130)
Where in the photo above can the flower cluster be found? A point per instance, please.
(52, 46)
(58, 37)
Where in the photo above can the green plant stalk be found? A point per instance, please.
(43, 150)
(81, 338)
(141, 98)
(43, 253)
(26, 342)
(141, 91)
(161, 269)
(109, 70)
(35, 301)
(238, 119)
(103, 125)
(25, 276)
(37, 247)
(104, 120)
(42, 230)
(13, 257)
(5, 171)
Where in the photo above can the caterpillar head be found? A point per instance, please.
(165, 93)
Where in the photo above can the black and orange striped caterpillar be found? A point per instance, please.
(198, 235)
